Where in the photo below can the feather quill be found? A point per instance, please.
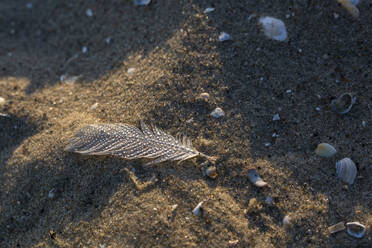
(129, 142)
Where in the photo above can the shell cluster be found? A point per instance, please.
(346, 170)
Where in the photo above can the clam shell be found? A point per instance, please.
(346, 170)
(255, 178)
(355, 229)
(343, 103)
(287, 221)
(325, 150)
(337, 227)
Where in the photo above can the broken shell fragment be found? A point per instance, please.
(224, 37)
(141, 2)
(255, 178)
(355, 229)
(208, 10)
(325, 150)
(343, 103)
(350, 7)
(346, 170)
(287, 221)
(273, 28)
(336, 227)
(211, 172)
(198, 210)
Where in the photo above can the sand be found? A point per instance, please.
(52, 198)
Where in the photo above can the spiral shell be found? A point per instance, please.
(346, 170)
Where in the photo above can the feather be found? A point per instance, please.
(129, 142)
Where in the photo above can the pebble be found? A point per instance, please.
(276, 117)
(108, 40)
(218, 113)
(84, 49)
(29, 5)
(94, 106)
(211, 172)
(269, 200)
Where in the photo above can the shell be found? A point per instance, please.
(218, 113)
(350, 7)
(355, 229)
(287, 222)
(346, 170)
(224, 37)
(325, 150)
(208, 10)
(141, 2)
(343, 103)
(337, 227)
(256, 179)
(273, 28)
(198, 210)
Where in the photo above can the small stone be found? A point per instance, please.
(174, 207)
(336, 15)
(29, 5)
(218, 113)
(211, 172)
(108, 40)
(84, 49)
(276, 117)
(288, 91)
(2, 101)
(268, 144)
(224, 37)
(317, 108)
(273, 28)
(89, 12)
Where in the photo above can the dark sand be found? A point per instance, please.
(174, 47)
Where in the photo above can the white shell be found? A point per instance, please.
(141, 2)
(355, 229)
(2, 101)
(346, 170)
(217, 113)
(208, 10)
(197, 210)
(255, 178)
(224, 37)
(325, 150)
(350, 7)
(273, 28)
